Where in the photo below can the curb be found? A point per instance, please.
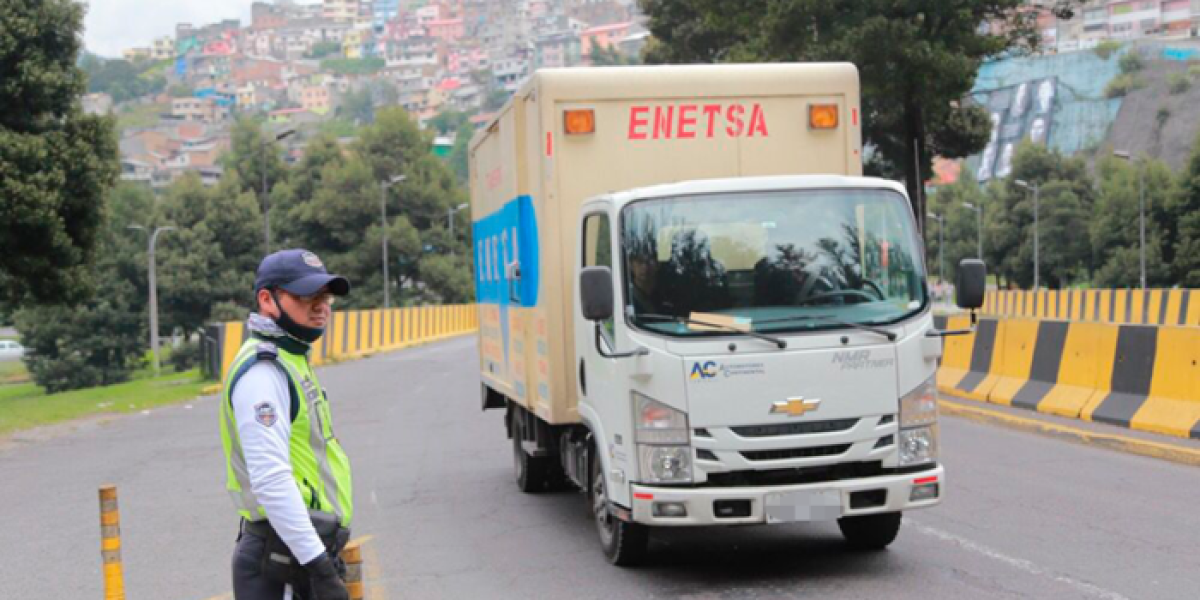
(1120, 443)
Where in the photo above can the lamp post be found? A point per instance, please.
(153, 292)
(941, 245)
(266, 197)
(978, 228)
(383, 188)
(1125, 155)
(450, 212)
(1036, 199)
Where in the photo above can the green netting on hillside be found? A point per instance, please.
(1080, 117)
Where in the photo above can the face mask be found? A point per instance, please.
(308, 335)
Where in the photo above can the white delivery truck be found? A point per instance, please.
(695, 309)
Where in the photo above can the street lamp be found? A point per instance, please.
(978, 227)
(1126, 156)
(153, 292)
(450, 212)
(1036, 199)
(941, 245)
(383, 188)
(266, 198)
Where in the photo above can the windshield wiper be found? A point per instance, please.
(832, 319)
(686, 321)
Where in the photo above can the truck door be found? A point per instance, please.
(596, 374)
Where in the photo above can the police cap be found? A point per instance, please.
(299, 272)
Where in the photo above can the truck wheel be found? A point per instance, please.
(624, 543)
(871, 532)
(532, 473)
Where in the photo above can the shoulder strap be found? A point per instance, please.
(266, 351)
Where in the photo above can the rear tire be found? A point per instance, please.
(624, 544)
(870, 532)
(533, 473)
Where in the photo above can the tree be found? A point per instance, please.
(917, 60)
(609, 56)
(324, 49)
(253, 152)
(1066, 200)
(121, 79)
(1185, 210)
(449, 121)
(210, 259)
(1114, 223)
(56, 163)
(98, 341)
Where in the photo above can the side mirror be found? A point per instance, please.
(596, 293)
(971, 284)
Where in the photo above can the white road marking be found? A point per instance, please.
(1018, 563)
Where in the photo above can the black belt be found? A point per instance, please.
(334, 538)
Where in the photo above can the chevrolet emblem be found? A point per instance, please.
(795, 407)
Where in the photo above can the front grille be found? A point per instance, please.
(787, 453)
(755, 431)
(800, 475)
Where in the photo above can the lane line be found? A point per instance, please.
(1018, 563)
(1130, 445)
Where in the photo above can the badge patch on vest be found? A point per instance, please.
(264, 413)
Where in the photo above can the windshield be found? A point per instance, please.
(771, 261)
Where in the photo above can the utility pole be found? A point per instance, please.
(450, 212)
(1036, 209)
(383, 188)
(1125, 155)
(266, 196)
(978, 228)
(153, 292)
(941, 221)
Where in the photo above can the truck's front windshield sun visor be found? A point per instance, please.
(764, 261)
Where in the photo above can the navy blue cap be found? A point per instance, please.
(299, 272)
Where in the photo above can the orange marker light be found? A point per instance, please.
(579, 121)
(822, 116)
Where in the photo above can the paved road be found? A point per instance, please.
(1026, 516)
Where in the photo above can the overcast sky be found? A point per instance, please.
(114, 25)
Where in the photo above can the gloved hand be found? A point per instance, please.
(324, 581)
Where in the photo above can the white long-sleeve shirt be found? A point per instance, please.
(266, 448)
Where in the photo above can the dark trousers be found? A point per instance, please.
(249, 581)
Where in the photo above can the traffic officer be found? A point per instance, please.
(287, 473)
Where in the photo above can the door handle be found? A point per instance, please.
(582, 377)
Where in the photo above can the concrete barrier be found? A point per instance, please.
(1145, 377)
(355, 333)
(1123, 307)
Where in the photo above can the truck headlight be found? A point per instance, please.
(665, 464)
(663, 441)
(918, 424)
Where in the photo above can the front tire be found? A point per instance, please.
(870, 532)
(624, 544)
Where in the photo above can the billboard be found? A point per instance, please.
(1021, 111)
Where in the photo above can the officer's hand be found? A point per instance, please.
(324, 580)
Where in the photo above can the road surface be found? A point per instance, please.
(1025, 516)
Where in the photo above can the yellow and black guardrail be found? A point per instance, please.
(353, 333)
(1144, 377)
(1133, 307)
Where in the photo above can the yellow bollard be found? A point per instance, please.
(110, 544)
(352, 554)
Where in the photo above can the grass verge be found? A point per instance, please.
(26, 405)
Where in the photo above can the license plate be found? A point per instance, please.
(803, 505)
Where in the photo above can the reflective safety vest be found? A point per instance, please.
(319, 464)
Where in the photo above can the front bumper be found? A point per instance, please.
(700, 502)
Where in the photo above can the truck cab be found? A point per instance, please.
(763, 356)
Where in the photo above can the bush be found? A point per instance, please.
(1131, 62)
(1179, 83)
(1161, 118)
(185, 356)
(69, 348)
(1121, 85)
(1106, 49)
(1194, 71)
